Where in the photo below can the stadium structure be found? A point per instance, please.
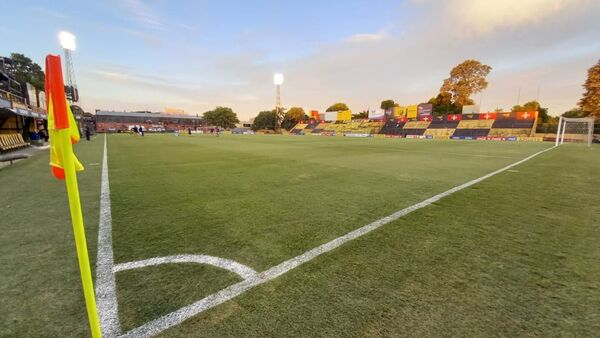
(119, 121)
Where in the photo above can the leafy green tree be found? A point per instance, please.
(265, 120)
(442, 104)
(590, 102)
(575, 112)
(533, 106)
(466, 79)
(387, 104)
(361, 116)
(337, 107)
(25, 70)
(223, 117)
(296, 114)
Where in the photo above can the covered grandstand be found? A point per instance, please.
(120, 121)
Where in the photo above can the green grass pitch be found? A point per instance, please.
(515, 255)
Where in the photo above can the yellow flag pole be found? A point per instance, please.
(64, 140)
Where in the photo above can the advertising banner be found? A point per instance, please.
(425, 109)
(400, 111)
(376, 115)
(345, 115)
(331, 116)
(411, 111)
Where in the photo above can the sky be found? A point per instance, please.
(196, 55)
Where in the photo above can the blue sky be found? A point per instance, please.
(194, 55)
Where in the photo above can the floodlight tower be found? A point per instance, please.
(278, 81)
(67, 41)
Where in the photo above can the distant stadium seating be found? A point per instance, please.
(339, 127)
(507, 132)
(494, 125)
(471, 133)
(475, 124)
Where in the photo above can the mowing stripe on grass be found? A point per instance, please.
(242, 270)
(160, 324)
(106, 287)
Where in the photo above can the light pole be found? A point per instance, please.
(278, 81)
(67, 41)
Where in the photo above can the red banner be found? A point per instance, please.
(488, 116)
(424, 117)
(454, 117)
(526, 115)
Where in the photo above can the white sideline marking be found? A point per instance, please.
(242, 270)
(106, 287)
(160, 324)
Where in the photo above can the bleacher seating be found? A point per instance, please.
(506, 132)
(439, 132)
(475, 132)
(417, 125)
(12, 141)
(341, 127)
(510, 124)
(513, 123)
(475, 124)
(392, 127)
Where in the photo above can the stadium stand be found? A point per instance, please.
(392, 127)
(494, 125)
(475, 124)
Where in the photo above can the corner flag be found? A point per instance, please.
(63, 133)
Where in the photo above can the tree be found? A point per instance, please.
(575, 112)
(223, 117)
(442, 104)
(387, 104)
(466, 79)
(361, 116)
(337, 107)
(296, 114)
(590, 102)
(25, 70)
(534, 106)
(265, 120)
(292, 117)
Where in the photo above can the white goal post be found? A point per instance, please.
(572, 129)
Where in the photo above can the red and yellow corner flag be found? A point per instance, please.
(61, 123)
(63, 133)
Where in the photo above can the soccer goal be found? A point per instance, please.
(579, 130)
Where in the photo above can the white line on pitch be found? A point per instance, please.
(106, 287)
(160, 324)
(240, 269)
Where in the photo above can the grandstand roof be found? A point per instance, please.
(145, 114)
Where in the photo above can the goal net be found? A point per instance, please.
(580, 130)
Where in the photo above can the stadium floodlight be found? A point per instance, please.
(575, 130)
(67, 40)
(278, 79)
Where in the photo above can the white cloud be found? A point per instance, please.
(367, 37)
(142, 13)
